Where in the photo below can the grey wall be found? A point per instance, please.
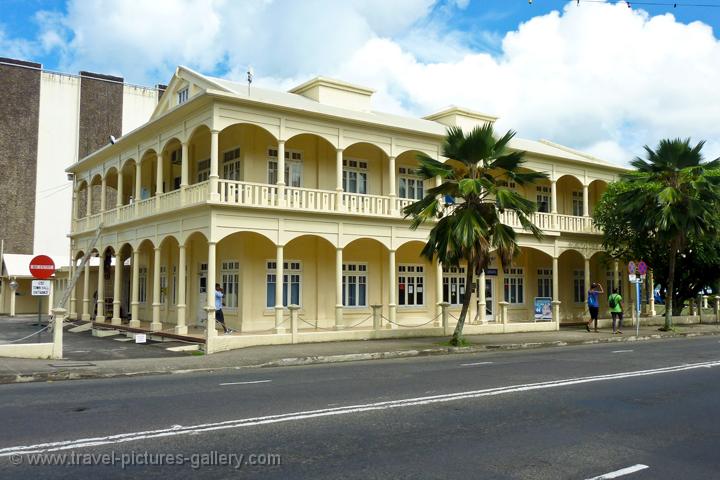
(101, 102)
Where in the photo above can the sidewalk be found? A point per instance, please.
(22, 370)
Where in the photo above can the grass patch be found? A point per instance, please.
(197, 353)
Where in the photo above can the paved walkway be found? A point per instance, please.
(96, 360)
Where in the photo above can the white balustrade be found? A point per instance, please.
(366, 204)
(309, 199)
(196, 193)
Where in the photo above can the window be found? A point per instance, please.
(411, 280)
(174, 285)
(203, 277)
(292, 280)
(577, 203)
(355, 176)
(514, 286)
(543, 199)
(229, 282)
(163, 284)
(203, 170)
(511, 185)
(409, 184)
(610, 282)
(579, 286)
(293, 167)
(354, 287)
(231, 164)
(176, 157)
(183, 95)
(544, 277)
(142, 284)
(454, 285)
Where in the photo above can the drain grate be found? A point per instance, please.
(71, 364)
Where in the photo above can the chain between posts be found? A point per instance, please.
(411, 326)
(49, 326)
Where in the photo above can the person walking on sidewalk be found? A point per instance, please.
(219, 316)
(594, 304)
(615, 302)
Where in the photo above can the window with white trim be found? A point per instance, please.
(231, 164)
(454, 285)
(411, 285)
(354, 286)
(163, 283)
(544, 280)
(292, 283)
(515, 286)
(183, 95)
(410, 185)
(355, 176)
(543, 199)
(229, 279)
(293, 167)
(577, 203)
(579, 286)
(203, 172)
(142, 284)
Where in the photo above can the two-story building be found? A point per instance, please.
(295, 198)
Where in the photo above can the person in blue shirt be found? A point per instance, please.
(219, 316)
(593, 302)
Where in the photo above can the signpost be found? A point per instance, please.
(636, 275)
(41, 267)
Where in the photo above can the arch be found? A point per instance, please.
(248, 124)
(382, 241)
(143, 244)
(127, 163)
(265, 234)
(163, 147)
(330, 139)
(81, 185)
(169, 239)
(197, 130)
(327, 238)
(79, 255)
(408, 150)
(111, 171)
(406, 241)
(96, 179)
(107, 248)
(188, 237)
(149, 153)
(565, 252)
(384, 149)
(569, 177)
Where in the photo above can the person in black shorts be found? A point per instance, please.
(593, 302)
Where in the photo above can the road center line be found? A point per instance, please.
(622, 351)
(245, 383)
(476, 363)
(336, 411)
(621, 472)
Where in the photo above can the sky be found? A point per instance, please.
(599, 76)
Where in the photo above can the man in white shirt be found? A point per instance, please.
(219, 316)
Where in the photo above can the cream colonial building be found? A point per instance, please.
(246, 186)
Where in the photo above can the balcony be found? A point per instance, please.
(265, 196)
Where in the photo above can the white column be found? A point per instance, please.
(616, 277)
(116, 320)
(281, 173)
(651, 292)
(338, 289)
(119, 198)
(135, 302)
(100, 303)
(159, 175)
(73, 300)
(439, 290)
(184, 168)
(86, 289)
(211, 332)
(556, 292)
(391, 176)
(553, 196)
(88, 201)
(279, 284)
(103, 191)
(156, 325)
(13, 294)
(214, 145)
(586, 204)
(138, 182)
(339, 179)
(392, 279)
(51, 297)
(482, 300)
(181, 327)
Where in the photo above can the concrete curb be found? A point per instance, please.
(62, 375)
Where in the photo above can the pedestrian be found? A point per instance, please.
(615, 302)
(219, 303)
(594, 304)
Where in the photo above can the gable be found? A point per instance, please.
(185, 81)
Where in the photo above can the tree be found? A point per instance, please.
(624, 241)
(678, 194)
(468, 227)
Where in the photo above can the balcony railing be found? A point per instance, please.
(261, 195)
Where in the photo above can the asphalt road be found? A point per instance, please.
(572, 412)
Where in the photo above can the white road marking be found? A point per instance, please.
(347, 410)
(622, 351)
(476, 363)
(621, 472)
(246, 383)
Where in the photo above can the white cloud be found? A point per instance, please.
(602, 77)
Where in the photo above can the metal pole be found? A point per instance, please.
(637, 295)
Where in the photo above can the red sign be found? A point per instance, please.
(42, 267)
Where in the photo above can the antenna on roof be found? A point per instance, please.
(250, 75)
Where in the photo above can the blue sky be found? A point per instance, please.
(598, 77)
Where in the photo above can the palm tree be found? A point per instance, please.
(683, 196)
(475, 177)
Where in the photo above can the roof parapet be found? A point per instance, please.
(454, 116)
(337, 93)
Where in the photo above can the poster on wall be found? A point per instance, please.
(543, 309)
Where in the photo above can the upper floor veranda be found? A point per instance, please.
(213, 142)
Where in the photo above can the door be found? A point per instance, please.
(202, 294)
(489, 299)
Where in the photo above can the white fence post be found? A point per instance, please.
(57, 351)
(377, 316)
(294, 311)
